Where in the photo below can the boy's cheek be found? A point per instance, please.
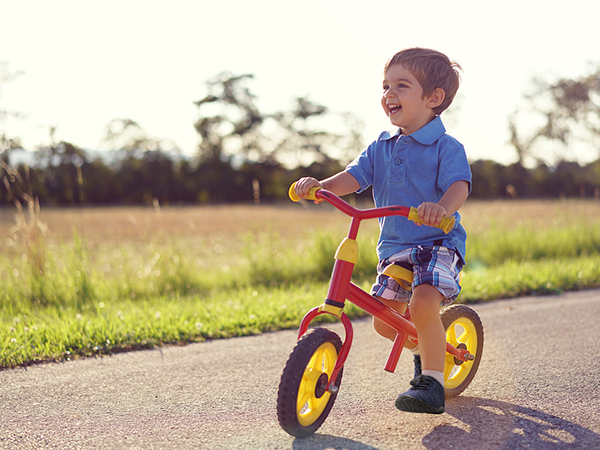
(384, 106)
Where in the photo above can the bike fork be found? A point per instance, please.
(349, 335)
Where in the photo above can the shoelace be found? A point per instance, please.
(421, 383)
(418, 364)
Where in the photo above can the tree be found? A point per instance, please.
(62, 171)
(234, 128)
(145, 166)
(7, 143)
(301, 142)
(128, 136)
(566, 112)
(231, 126)
(488, 179)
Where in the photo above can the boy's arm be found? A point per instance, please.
(432, 213)
(340, 184)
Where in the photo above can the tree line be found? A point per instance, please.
(246, 155)
(157, 176)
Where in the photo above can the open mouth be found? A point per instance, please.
(394, 108)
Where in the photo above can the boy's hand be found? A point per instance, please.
(431, 213)
(304, 185)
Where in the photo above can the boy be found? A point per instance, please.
(419, 165)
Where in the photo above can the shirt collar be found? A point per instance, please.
(427, 134)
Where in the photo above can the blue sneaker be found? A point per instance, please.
(417, 366)
(426, 395)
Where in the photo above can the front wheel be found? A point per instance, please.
(302, 401)
(463, 330)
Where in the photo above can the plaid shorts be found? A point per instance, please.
(438, 266)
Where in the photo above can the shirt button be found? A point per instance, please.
(398, 161)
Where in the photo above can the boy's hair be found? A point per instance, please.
(432, 69)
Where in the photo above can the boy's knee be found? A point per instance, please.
(425, 299)
(426, 293)
(384, 330)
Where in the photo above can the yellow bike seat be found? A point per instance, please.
(403, 276)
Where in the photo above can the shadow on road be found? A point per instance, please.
(326, 442)
(511, 425)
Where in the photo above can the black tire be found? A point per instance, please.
(465, 330)
(318, 350)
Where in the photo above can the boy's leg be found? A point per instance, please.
(436, 281)
(388, 332)
(383, 329)
(427, 391)
(425, 313)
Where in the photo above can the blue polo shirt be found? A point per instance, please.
(407, 171)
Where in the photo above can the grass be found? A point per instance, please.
(103, 280)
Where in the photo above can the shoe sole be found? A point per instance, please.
(410, 404)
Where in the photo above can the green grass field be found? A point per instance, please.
(103, 280)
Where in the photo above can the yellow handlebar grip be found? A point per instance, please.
(446, 225)
(295, 197)
(312, 192)
(292, 193)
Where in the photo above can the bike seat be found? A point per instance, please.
(403, 277)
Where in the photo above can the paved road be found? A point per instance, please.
(538, 387)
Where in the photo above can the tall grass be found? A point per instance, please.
(88, 292)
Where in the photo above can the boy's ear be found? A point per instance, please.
(436, 98)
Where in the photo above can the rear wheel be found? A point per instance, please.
(302, 401)
(463, 330)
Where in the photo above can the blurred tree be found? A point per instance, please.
(128, 136)
(145, 165)
(146, 178)
(488, 179)
(232, 129)
(62, 175)
(100, 183)
(301, 142)
(234, 126)
(565, 112)
(7, 143)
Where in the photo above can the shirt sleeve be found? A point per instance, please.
(453, 166)
(363, 166)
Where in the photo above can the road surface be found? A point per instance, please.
(538, 387)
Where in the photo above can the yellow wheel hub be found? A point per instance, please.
(310, 406)
(461, 331)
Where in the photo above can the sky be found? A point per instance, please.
(85, 63)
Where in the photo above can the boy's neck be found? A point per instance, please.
(428, 122)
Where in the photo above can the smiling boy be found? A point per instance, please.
(418, 165)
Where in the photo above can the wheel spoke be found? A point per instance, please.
(313, 403)
(303, 398)
(311, 375)
(451, 335)
(448, 366)
(321, 361)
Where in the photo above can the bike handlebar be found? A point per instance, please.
(411, 213)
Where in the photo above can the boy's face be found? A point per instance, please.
(403, 100)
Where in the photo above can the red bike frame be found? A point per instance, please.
(341, 289)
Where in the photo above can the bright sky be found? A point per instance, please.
(86, 63)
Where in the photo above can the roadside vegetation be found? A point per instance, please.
(94, 281)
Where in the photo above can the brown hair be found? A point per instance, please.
(432, 69)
